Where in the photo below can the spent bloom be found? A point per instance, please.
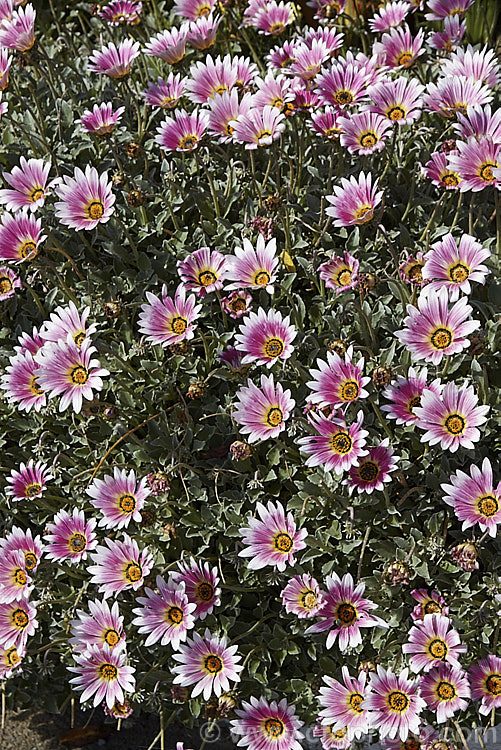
(207, 663)
(120, 498)
(166, 616)
(102, 672)
(474, 497)
(28, 185)
(273, 539)
(114, 61)
(70, 536)
(355, 201)
(262, 412)
(86, 199)
(302, 596)
(265, 337)
(169, 320)
(267, 726)
(29, 482)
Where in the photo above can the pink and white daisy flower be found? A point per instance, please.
(364, 133)
(210, 78)
(332, 738)
(193, 9)
(453, 95)
(119, 566)
(29, 342)
(342, 85)
(120, 498)
(337, 447)
(395, 703)
(355, 201)
(246, 71)
(17, 622)
(225, 108)
(441, 9)
(340, 274)
(102, 672)
(9, 282)
(232, 358)
(474, 498)
(201, 34)
(477, 163)
(437, 170)
(7, 9)
(282, 56)
(267, 726)
(389, 16)
(169, 320)
(183, 131)
(253, 268)
(399, 100)
(5, 63)
(445, 689)
(479, 122)
(309, 58)
(373, 470)
(405, 394)
(263, 412)
(338, 381)
(342, 704)
(165, 93)
(66, 321)
(20, 383)
(18, 32)
(480, 65)
(433, 330)
(70, 536)
(29, 482)
(121, 711)
(451, 36)
(101, 119)
(86, 199)
(258, 127)
(14, 578)
(345, 611)
(274, 17)
(398, 48)
(326, 123)
(302, 596)
(265, 337)
(485, 679)
(207, 663)
(430, 602)
(332, 39)
(104, 626)
(69, 371)
(20, 236)
(411, 269)
(168, 45)
(120, 12)
(236, 305)
(10, 661)
(451, 418)
(201, 584)
(432, 642)
(273, 91)
(114, 61)
(273, 540)
(166, 616)
(203, 271)
(18, 540)
(29, 186)
(453, 266)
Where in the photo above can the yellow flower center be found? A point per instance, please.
(126, 503)
(415, 273)
(238, 304)
(455, 424)
(187, 142)
(19, 619)
(459, 273)
(111, 637)
(79, 375)
(11, 657)
(487, 506)
(430, 607)
(485, 171)
(174, 615)
(79, 337)
(274, 728)
(349, 390)
(277, 102)
(405, 58)
(493, 684)
(28, 250)
(416, 401)
(283, 542)
(309, 599)
(30, 560)
(31, 490)
(276, 28)
(213, 664)
(341, 443)
(108, 672)
(77, 543)
(355, 701)
(438, 649)
(36, 193)
(367, 140)
(204, 10)
(343, 96)
(396, 113)
(274, 416)
(363, 214)
(133, 572)
(178, 325)
(263, 134)
(343, 277)
(273, 348)
(368, 471)
(441, 338)
(398, 701)
(6, 285)
(445, 691)
(206, 278)
(451, 179)
(95, 210)
(19, 577)
(262, 278)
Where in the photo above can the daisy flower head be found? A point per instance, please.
(201, 584)
(86, 199)
(101, 626)
(454, 266)
(263, 412)
(273, 18)
(114, 61)
(121, 12)
(232, 358)
(332, 738)
(168, 45)
(389, 16)
(267, 726)
(70, 536)
(101, 119)
(433, 329)
(364, 133)
(338, 381)
(29, 482)
(183, 131)
(309, 58)
(203, 271)
(451, 418)
(67, 320)
(201, 33)
(258, 127)
(18, 31)
(373, 470)
(452, 95)
(273, 90)
(433, 641)
(225, 108)
(437, 170)
(18, 540)
(120, 710)
(332, 39)
(342, 85)
(102, 672)
(119, 566)
(325, 123)
(265, 337)
(411, 269)
(302, 596)
(69, 371)
(166, 616)
(120, 498)
(9, 282)
(438, 10)
(169, 320)
(450, 37)
(479, 121)
(207, 663)
(28, 342)
(253, 268)
(341, 704)
(395, 703)
(10, 660)
(340, 273)
(14, 578)
(20, 236)
(336, 447)
(485, 679)
(355, 201)
(165, 93)
(474, 498)
(429, 602)
(398, 48)
(399, 100)
(236, 305)
(214, 76)
(193, 9)
(477, 163)
(480, 65)
(405, 394)
(273, 540)
(28, 185)
(17, 622)
(281, 56)
(445, 690)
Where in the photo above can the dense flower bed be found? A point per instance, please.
(249, 293)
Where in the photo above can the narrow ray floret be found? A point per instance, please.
(29, 185)
(102, 625)
(265, 337)
(433, 641)
(395, 703)
(336, 447)
(5, 63)
(86, 199)
(338, 381)
(183, 131)
(429, 602)
(485, 679)
(345, 612)
(70, 536)
(207, 663)
(201, 584)
(341, 704)
(267, 726)
(120, 498)
(114, 61)
(29, 482)
(15, 581)
(340, 273)
(273, 539)
(355, 201)
(119, 565)
(253, 268)
(433, 329)
(20, 236)
(168, 320)
(373, 470)
(405, 394)
(102, 119)
(262, 412)
(445, 690)
(474, 498)
(451, 418)
(17, 622)
(454, 266)
(166, 616)
(302, 596)
(203, 271)
(102, 673)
